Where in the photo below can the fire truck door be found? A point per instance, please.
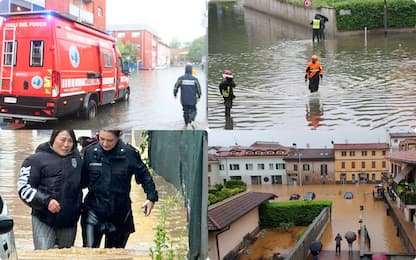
(108, 80)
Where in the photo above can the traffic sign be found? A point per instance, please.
(307, 3)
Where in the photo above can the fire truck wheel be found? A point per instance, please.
(91, 111)
(126, 95)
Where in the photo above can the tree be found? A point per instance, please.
(196, 49)
(128, 51)
(175, 43)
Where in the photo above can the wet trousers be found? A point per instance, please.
(46, 237)
(228, 103)
(94, 228)
(189, 113)
(315, 34)
(350, 248)
(314, 83)
(338, 249)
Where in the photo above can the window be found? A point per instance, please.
(352, 153)
(373, 153)
(343, 153)
(209, 168)
(135, 34)
(353, 176)
(295, 167)
(10, 53)
(235, 178)
(222, 167)
(343, 165)
(384, 153)
(373, 164)
(373, 176)
(255, 179)
(108, 61)
(259, 152)
(234, 167)
(270, 152)
(99, 11)
(249, 166)
(306, 167)
(364, 153)
(36, 53)
(121, 35)
(363, 165)
(353, 165)
(383, 164)
(250, 152)
(271, 166)
(343, 176)
(260, 166)
(324, 170)
(280, 166)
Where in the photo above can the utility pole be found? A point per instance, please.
(299, 166)
(385, 18)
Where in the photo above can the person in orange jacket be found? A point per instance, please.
(313, 72)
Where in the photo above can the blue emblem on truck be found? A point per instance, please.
(74, 56)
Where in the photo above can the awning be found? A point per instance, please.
(402, 175)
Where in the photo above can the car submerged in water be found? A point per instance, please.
(7, 244)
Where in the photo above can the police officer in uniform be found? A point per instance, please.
(109, 165)
(190, 91)
(316, 26)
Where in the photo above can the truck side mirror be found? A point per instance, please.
(125, 69)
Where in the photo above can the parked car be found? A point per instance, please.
(309, 196)
(7, 244)
(294, 196)
(348, 195)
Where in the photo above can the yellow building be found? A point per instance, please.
(360, 162)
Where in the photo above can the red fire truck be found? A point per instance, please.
(52, 66)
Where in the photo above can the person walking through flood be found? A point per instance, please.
(108, 167)
(314, 73)
(190, 92)
(50, 183)
(338, 240)
(350, 237)
(316, 26)
(226, 88)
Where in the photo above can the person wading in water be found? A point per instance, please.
(313, 72)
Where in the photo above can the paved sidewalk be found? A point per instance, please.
(330, 255)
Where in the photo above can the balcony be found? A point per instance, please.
(81, 14)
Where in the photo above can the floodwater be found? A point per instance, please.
(366, 85)
(151, 105)
(346, 214)
(17, 145)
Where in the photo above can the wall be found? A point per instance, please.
(295, 14)
(231, 239)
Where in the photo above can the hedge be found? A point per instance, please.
(301, 213)
(370, 14)
(221, 192)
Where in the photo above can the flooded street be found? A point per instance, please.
(16, 145)
(151, 105)
(365, 85)
(346, 213)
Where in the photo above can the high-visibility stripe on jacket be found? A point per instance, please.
(313, 68)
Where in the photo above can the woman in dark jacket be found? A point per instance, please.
(50, 183)
(108, 168)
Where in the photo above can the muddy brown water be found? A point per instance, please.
(345, 214)
(17, 145)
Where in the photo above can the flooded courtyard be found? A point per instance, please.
(16, 145)
(268, 57)
(345, 216)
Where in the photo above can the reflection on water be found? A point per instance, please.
(364, 86)
(15, 146)
(346, 213)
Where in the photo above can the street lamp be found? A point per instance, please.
(299, 167)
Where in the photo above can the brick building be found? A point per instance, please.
(86, 11)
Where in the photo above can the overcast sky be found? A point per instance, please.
(315, 139)
(170, 18)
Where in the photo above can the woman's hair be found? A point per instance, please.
(116, 133)
(56, 132)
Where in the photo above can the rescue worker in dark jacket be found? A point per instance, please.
(190, 91)
(108, 168)
(313, 72)
(50, 183)
(227, 91)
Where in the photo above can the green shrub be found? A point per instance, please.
(219, 186)
(231, 184)
(299, 235)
